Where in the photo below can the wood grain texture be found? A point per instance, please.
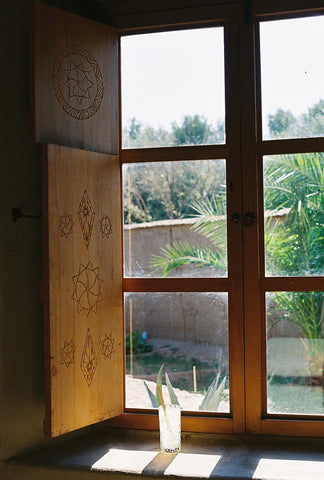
(75, 81)
(83, 288)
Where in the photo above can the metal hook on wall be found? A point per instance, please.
(16, 213)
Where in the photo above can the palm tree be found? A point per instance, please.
(294, 242)
(211, 223)
(295, 247)
(295, 183)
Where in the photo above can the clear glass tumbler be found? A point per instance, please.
(170, 428)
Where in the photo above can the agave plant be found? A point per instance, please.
(155, 397)
(211, 399)
(214, 394)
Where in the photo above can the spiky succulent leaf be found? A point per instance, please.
(213, 396)
(159, 383)
(151, 395)
(173, 397)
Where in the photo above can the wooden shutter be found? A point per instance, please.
(83, 299)
(76, 105)
(75, 81)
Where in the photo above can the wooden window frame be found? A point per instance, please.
(220, 423)
(249, 400)
(256, 284)
(243, 151)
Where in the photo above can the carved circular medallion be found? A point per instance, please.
(77, 82)
(87, 288)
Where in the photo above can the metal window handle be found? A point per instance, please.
(236, 217)
(249, 219)
(16, 213)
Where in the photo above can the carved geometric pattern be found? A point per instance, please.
(89, 360)
(107, 346)
(87, 288)
(105, 226)
(66, 225)
(86, 216)
(67, 353)
(77, 82)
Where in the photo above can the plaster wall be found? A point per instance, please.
(21, 320)
(22, 397)
(195, 317)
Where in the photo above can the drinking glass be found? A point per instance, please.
(170, 428)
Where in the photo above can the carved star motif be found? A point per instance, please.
(66, 225)
(77, 81)
(67, 353)
(107, 346)
(105, 226)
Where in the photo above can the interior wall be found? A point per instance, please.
(22, 396)
(21, 319)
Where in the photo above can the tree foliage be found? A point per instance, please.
(168, 190)
(283, 124)
(194, 130)
(294, 231)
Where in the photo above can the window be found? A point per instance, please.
(292, 269)
(167, 78)
(252, 297)
(177, 167)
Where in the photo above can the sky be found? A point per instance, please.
(171, 74)
(168, 75)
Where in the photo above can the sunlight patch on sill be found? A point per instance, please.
(193, 465)
(273, 468)
(132, 461)
(149, 461)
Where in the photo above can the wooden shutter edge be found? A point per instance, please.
(45, 291)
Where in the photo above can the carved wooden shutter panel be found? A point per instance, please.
(83, 308)
(76, 100)
(75, 81)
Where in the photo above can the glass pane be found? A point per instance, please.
(294, 214)
(173, 88)
(292, 70)
(174, 219)
(295, 352)
(188, 332)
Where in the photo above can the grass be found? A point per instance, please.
(295, 399)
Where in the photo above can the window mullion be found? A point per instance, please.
(250, 124)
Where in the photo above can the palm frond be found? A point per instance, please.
(211, 220)
(173, 256)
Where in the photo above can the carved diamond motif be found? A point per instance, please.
(89, 360)
(86, 216)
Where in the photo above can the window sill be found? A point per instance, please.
(202, 456)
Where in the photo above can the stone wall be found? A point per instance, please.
(197, 317)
